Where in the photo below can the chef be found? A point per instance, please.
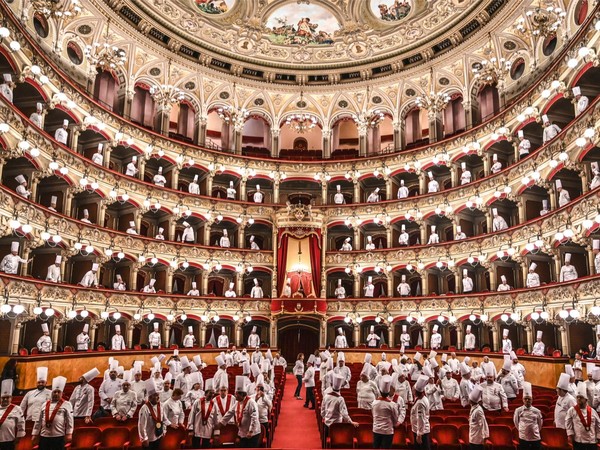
(539, 349)
(533, 279)
(34, 400)
(194, 187)
(567, 271)
(117, 341)
(563, 195)
(131, 169)
(245, 413)
(404, 236)
(223, 341)
(37, 117)
(340, 291)
(253, 339)
(581, 101)
(12, 422)
(564, 402)
(372, 338)
(465, 177)
(524, 145)
(53, 274)
(124, 401)
(340, 339)
(154, 339)
(44, 343)
(402, 190)
(83, 339)
(497, 165)
(432, 185)
(22, 187)
(188, 233)
(370, 245)
(86, 216)
(230, 293)
(253, 244)
(459, 234)
(498, 223)
(405, 337)
(149, 288)
(403, 288)
(338, 197)
(159, 179)
(90, 278)
(54, 428)
(504, 285)
(369, 287)
(194, 292)
(10, 263)
(82, 398)
(152, 422)
(550, 130)
(107, 390)
(119, 285)
(346, 246)
(506, 342)
(231, 191)
(256, 291)
(258, 196)
(374, 196)
(224, 241)
(61, 134)
(469, 339)
(467, 282)
(436, 338)
(433, 237)
(98, 157)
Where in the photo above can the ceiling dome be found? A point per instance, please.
(313, 35)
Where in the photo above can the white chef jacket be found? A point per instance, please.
(188, 235)
(33, 401)
(200, 409)
(173, 411)
(53, 274)
(248, 410)
(189, 340)
(496, 167)
(538, 349)
(253, 340)
(117, 342)
(254, 246)
(334, 410)
(366, 393)
(404, 390)
(107, 390)
(6, 91)
(346, 247)
(510, 386)
(499, 223)
(23, 191)
(147, 426)
(83, 341)
(503, 287)
(493, 396)
(223, 341)
(524, 147)
(89, 279)
(436, 341)
(194, 188)
(10, 264)
(36, 118)
(340, 292)
(62, 424)
(98, 158)
(433, 186)
(369, 290)
(154, 339)
(14, 425)
(340, 341)
(506, 345)
(450, 388)
(576, 429)
(370, 246)
(404, 289)
(256, 292)
(405, 339)
(372, 339)
(434, 395)
(149, 289)
(465, 388)
(373, 198)
(528, 422)
(258, 197)
(568, 273)
(465, 177)
(419, 417)
(533, 280)
(82, 400)
(460, 236)
(433, 239)
(478, 427)
(61, 135)
(338, 198)
(550, 132)
(386, 415)
(518, 370)
(344, 371)
(220, 379)
(563, 197)
(44, 344)
(403, 238)
(309, 377)
(231, 193)
(467, 284)
(131, 170)
(159, 180)
(563, 404)
(230, 293)
(139, 389)
(224, 242)
(582, 104)
(469, 341)
(402, 192)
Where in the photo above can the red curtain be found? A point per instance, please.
(315, 260)
(282, 250)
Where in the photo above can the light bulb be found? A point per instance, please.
(104, 314)
(18, 309)
(535, 315)
(563, 313)
(595, 310)
(5, 308)
(504, 317)
(49, 312)
(84, 313)
(441, 318)
(472, 317)
(183, 317)
(544, 315)
(38, 310)
(137, 316)
(150, 316)
(170, 317)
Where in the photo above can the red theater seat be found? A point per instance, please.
(554, 438)
(445, 437)
(86, 438)
(341, 435)
(500, 438)
(116, 438)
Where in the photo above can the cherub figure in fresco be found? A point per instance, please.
(305, 28)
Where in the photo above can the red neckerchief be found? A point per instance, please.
(220, 405)
(6, 413)
(395, 398)
(384, 399)
(240, 411)
(157, 417)
(206, 415)
(50, 417)
(587, 422)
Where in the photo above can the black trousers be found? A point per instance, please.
(251, 442)
(10, 445)
(529, 445)
(198, 442)
(425, 442)
(578, 446)
(101, 412)
(382, 440)
(476, 446)
(52, 443)
(299, 387)
(310, 397)
(155, 445)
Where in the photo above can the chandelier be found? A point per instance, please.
(368, 119)
(233, 115)
(66, 10)
(493, 70)
(541, 22)
(301, 123)
(105, 55)
(167, 94)
(434, 102)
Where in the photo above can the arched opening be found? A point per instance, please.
(106, 86)
(298, 335)
(488, 100)
(301, 139)
(454, 116)
(143, 109)
(256, 137)
(416, 127)
(182, 122)
(345, 139)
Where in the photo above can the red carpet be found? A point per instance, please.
(297, 426)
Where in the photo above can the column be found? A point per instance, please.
(326, 134)
(25, 255)
(459, 337)
(93, 328)
(127, 104)
(243, 182)
(209, 184)
(495, 340)
(585, 187)
(323, 192)
(63, 264)
(362, 140)
(162, 118)
(468, 113)
(241, 236)
(357, 292)
(165, 335)
(75, 138)
(524, 271)
(423, 233)
(273, 340)
(133, 279)
(424, 282)
(425, 329)
(389, 187)
(356, 198)
(129, 339)
(454, 176)
(239, 335)
(55, 329)
(237, 139)
(388, 236)
(458, 280)
(521, 211)
(169, 281)
(141, 168)
(202, 130)
(422, 182)
(493, 277)
(435, 126)
(16, 337)
(489, 221)
(323, 334)
(590, 259)
(204, 283)
(275, 142)
(391, 335)
(174, 178)
(552, 195)
(239, 284)
(202, 339)
(171, 229)
(107, 154)
(68, 203)
(206, 234)
(486, 164)
(516, 149)
(33, 184)
(276, 191)
(356, 334)
(101, 213)
(398, 135)
(557, 266)
(564, 339)
(530, 340)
